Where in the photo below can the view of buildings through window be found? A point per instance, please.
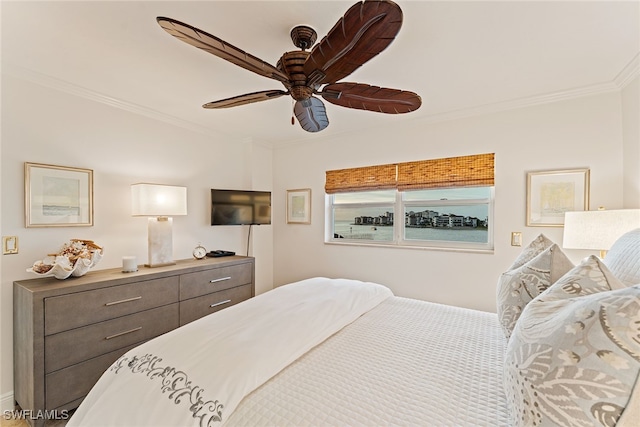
(443, 215)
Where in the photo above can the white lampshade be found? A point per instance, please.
(158, 200)
(598, 230)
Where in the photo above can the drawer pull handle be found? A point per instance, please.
(220, 303)
(222, 279)
(122, 300)
(123, 333)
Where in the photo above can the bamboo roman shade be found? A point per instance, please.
(465, 171)
(368, 178)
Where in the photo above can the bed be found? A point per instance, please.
(335, 352)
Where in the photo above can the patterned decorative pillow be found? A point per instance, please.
(574, 355)
(517, 287)
(536, 246)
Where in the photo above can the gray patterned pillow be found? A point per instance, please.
(536, 246)
(574, 355)
(517, 287)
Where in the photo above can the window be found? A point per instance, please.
(433, 203)
(456, 217)
(363, 216)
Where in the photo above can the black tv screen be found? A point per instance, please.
(240, 207)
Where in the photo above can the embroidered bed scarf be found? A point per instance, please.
(196, 375)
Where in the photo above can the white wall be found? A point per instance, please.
(259, 160)
(42, 125)
(631, 141)
(578, 133)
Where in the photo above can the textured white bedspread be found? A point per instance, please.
(196, 375)
(404, 363)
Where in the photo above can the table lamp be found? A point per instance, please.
(159, 203)
(598, 230)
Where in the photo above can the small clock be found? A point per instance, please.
(199, 252)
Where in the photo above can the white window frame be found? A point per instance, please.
(398, 208)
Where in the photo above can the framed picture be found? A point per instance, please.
(57, 196)
(552, 193)
(299, 206)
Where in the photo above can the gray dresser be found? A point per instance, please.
(68, 332)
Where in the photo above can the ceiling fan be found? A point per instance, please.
(365, 30)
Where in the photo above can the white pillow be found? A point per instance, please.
(574, 355)
(623, 259)
(517, 287)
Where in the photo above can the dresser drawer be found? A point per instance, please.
(74, 382)
(196, 308)
(217, 279)
(83, 308)
(74, 346)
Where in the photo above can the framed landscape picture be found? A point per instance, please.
(57, 196)
(552, 193)
(299, 206)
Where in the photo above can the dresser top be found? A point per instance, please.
(115, 276)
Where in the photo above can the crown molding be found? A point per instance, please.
(629, 72)
(622, 79)
(523, 102)
(73, 89)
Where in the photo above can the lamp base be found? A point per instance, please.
(160, 242)
(159, 265)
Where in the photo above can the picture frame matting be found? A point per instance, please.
(552, 193)
(299, 206)
(58, 196)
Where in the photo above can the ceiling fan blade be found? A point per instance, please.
(220, 48)
(248, 98)
(311, 114)
(363, 32)
(371, 98)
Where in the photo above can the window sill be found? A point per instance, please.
(414, 247)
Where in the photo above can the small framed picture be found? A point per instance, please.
(299, 206)
(552, 193)
(57, 196)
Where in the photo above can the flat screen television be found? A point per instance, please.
(240, 207)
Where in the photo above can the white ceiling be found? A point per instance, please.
(460, 57)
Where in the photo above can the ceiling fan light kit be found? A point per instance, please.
(311, 114)
(365, 30)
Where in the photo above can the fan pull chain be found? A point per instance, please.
(293, 121)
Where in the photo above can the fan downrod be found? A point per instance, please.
(303, 37)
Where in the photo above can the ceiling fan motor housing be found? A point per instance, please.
(292, 63)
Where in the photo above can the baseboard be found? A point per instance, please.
(6, 402)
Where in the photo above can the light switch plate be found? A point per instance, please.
(9, 245)
(516, 238)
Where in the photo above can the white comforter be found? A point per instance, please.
(405, 363)
(198, 374)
